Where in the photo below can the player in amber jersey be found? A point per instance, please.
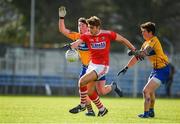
(85, 58)
(153, 50)
(98, 42)
(82, 49)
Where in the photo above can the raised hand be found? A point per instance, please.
(62, 11)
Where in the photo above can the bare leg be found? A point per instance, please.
(151, 109)
(152, 95)
(103, 89)
(149, 90)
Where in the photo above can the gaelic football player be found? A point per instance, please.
(84, 53)
(98, 42)
(153, 50)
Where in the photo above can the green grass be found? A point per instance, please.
(27, 109)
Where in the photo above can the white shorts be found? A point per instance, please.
(155, 80)
(101, 70)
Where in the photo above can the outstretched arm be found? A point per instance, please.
(62, 27)
(73, 45)
(131, 63)
(76, 43)
(124, 41)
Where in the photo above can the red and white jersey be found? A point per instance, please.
(99, 45)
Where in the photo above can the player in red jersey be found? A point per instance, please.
(98, 42)
(85, 59)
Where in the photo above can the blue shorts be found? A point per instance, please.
(83, 71)
(161, 74)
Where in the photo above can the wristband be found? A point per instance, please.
(126, 67)
(61, 17)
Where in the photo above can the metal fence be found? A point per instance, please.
(42, 71)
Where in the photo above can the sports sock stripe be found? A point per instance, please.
(83, 95)
(89, 107)
(95, 98)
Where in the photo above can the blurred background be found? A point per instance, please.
(31, 62)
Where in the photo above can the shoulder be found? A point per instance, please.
(107, 32)
(154, 39)
(155, 43)
(73, 35)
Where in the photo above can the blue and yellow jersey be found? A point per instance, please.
(158, 60)
(83, 49)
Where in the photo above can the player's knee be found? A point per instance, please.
(101, 92)
(147, 99)
(81, 82)
(145, 92)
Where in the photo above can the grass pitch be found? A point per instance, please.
(28, 109)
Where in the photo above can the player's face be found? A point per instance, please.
(94, 29)
(82, 28)
(146, 35)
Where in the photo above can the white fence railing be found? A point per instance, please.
(49, 68)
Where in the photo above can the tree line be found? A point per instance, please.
(123, 16)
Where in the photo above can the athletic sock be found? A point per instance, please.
(95, 98)
(89, 107)
(83, 95)
(151, 109)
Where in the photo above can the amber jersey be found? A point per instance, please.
(83, 49)
(159, 59)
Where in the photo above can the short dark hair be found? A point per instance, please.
(94, 21)
(83, 20)
(149, 26)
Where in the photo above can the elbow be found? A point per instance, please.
(61, 30)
